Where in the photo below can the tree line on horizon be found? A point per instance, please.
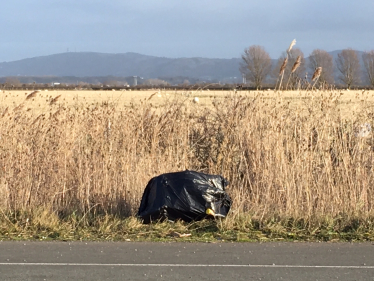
(291, 69)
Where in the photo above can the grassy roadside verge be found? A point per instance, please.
(43, 226)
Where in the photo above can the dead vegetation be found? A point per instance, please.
(293, 163)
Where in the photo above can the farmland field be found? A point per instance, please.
(126, 97)
(295, 160)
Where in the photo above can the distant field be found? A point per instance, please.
(348, 100)
(118, 98)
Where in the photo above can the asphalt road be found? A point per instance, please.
(185, 261)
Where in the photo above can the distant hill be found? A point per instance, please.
(93, 65)
(83, 64)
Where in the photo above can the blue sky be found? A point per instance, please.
(189, 28)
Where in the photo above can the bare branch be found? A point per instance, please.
(256, 65)
(321, 58)
(368, 59)
(349, 67)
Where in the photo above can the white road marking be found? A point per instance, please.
(189, 265)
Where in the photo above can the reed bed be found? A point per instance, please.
(308, 159)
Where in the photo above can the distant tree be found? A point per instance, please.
(256, 65)
(321, 58)
(82, 84)
(349, 67)
(114, 83)
(156, 82)
(368, 59)
(12, 82)
(294, 69)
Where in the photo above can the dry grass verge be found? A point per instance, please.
(299, 167)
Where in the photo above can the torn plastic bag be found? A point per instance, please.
(187, 195)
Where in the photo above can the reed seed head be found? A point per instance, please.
(283, 67)
(291, 45)
(317, 73)
(32, 95)
(296, 64)
(54, 100)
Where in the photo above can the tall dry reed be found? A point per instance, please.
(294, 68)
(296, 159)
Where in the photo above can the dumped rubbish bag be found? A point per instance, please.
(188, 195)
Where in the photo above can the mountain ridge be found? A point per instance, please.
(82, 64)
(96, 64)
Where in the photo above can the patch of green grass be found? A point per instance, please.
(41, 225)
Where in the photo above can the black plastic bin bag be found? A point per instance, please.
(187, 195)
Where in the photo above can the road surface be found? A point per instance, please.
(185, 261)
